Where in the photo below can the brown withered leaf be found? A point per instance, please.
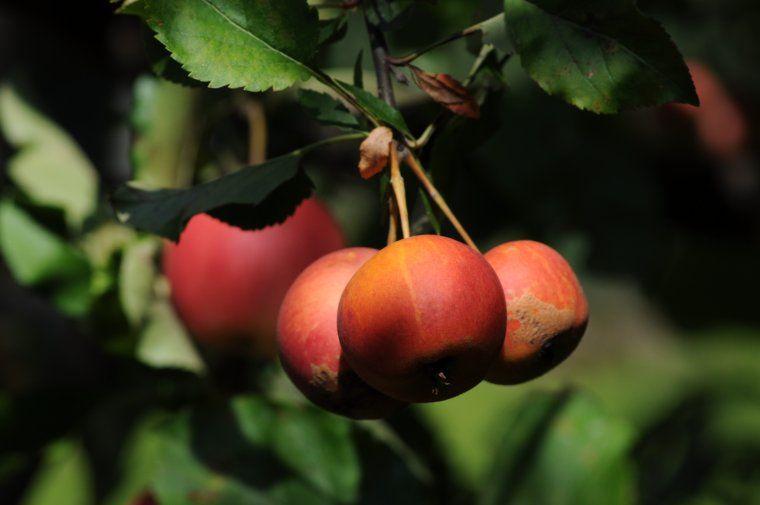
(374, 152)
(447, 91)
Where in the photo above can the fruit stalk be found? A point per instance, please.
(392, 220)
(438, 199)
(399, 190)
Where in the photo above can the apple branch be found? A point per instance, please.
(385, 90)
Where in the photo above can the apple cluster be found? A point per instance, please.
(363, 332)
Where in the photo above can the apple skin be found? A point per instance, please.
(227, 284)
(547, 311)
(720, 123)
(307, 339)
(423, 320)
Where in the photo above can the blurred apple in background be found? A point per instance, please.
(720, 123)
(227, 284)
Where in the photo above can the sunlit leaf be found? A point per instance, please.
(33, 254)
(164, 342)
(137, 274)
(63, 479)
(166, 131)
(251, 45)
(48, 167)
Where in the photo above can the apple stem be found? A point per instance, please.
(399, 190)
(392, 220)
(438, 199)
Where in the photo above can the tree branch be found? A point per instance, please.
(379, 58)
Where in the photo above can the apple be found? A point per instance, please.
(227, 284)
(308, 343)
(547, 311)
(423, 319)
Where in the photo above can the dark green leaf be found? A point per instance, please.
(251, 45)
(377, 108)
(332, 30)
(432, 219)
(566, 440)
(326, 109)
(319, 447)
(359, 70)
(251, 198)
(599, 55)
(389, 14)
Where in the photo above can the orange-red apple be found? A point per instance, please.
(423, 320)
(547, 311)
(227, 284)
(307, 339)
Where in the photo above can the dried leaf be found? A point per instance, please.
(447, 91)
(374, 152)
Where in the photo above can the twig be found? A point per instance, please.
(399, 190)
(406, 60)
(379, 58)
(436, 196)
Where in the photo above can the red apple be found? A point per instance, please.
(307, 338)
(547, 311)
(227, 284)
(423, 319)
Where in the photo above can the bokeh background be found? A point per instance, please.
(661, 402)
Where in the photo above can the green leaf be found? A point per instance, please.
(599, 55)
(563, 449)
(377, 108)
(137, 273)
(493, 33)
(163, 117)
(164, 66)
(430, 212)
(33, 254)
(359, 70)
(330, 463)
(164, 342)
(63, 479)
(102, 243)
(326, 109)
(48, 167)
(250, 198)
(241, 44)
(332, 30)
